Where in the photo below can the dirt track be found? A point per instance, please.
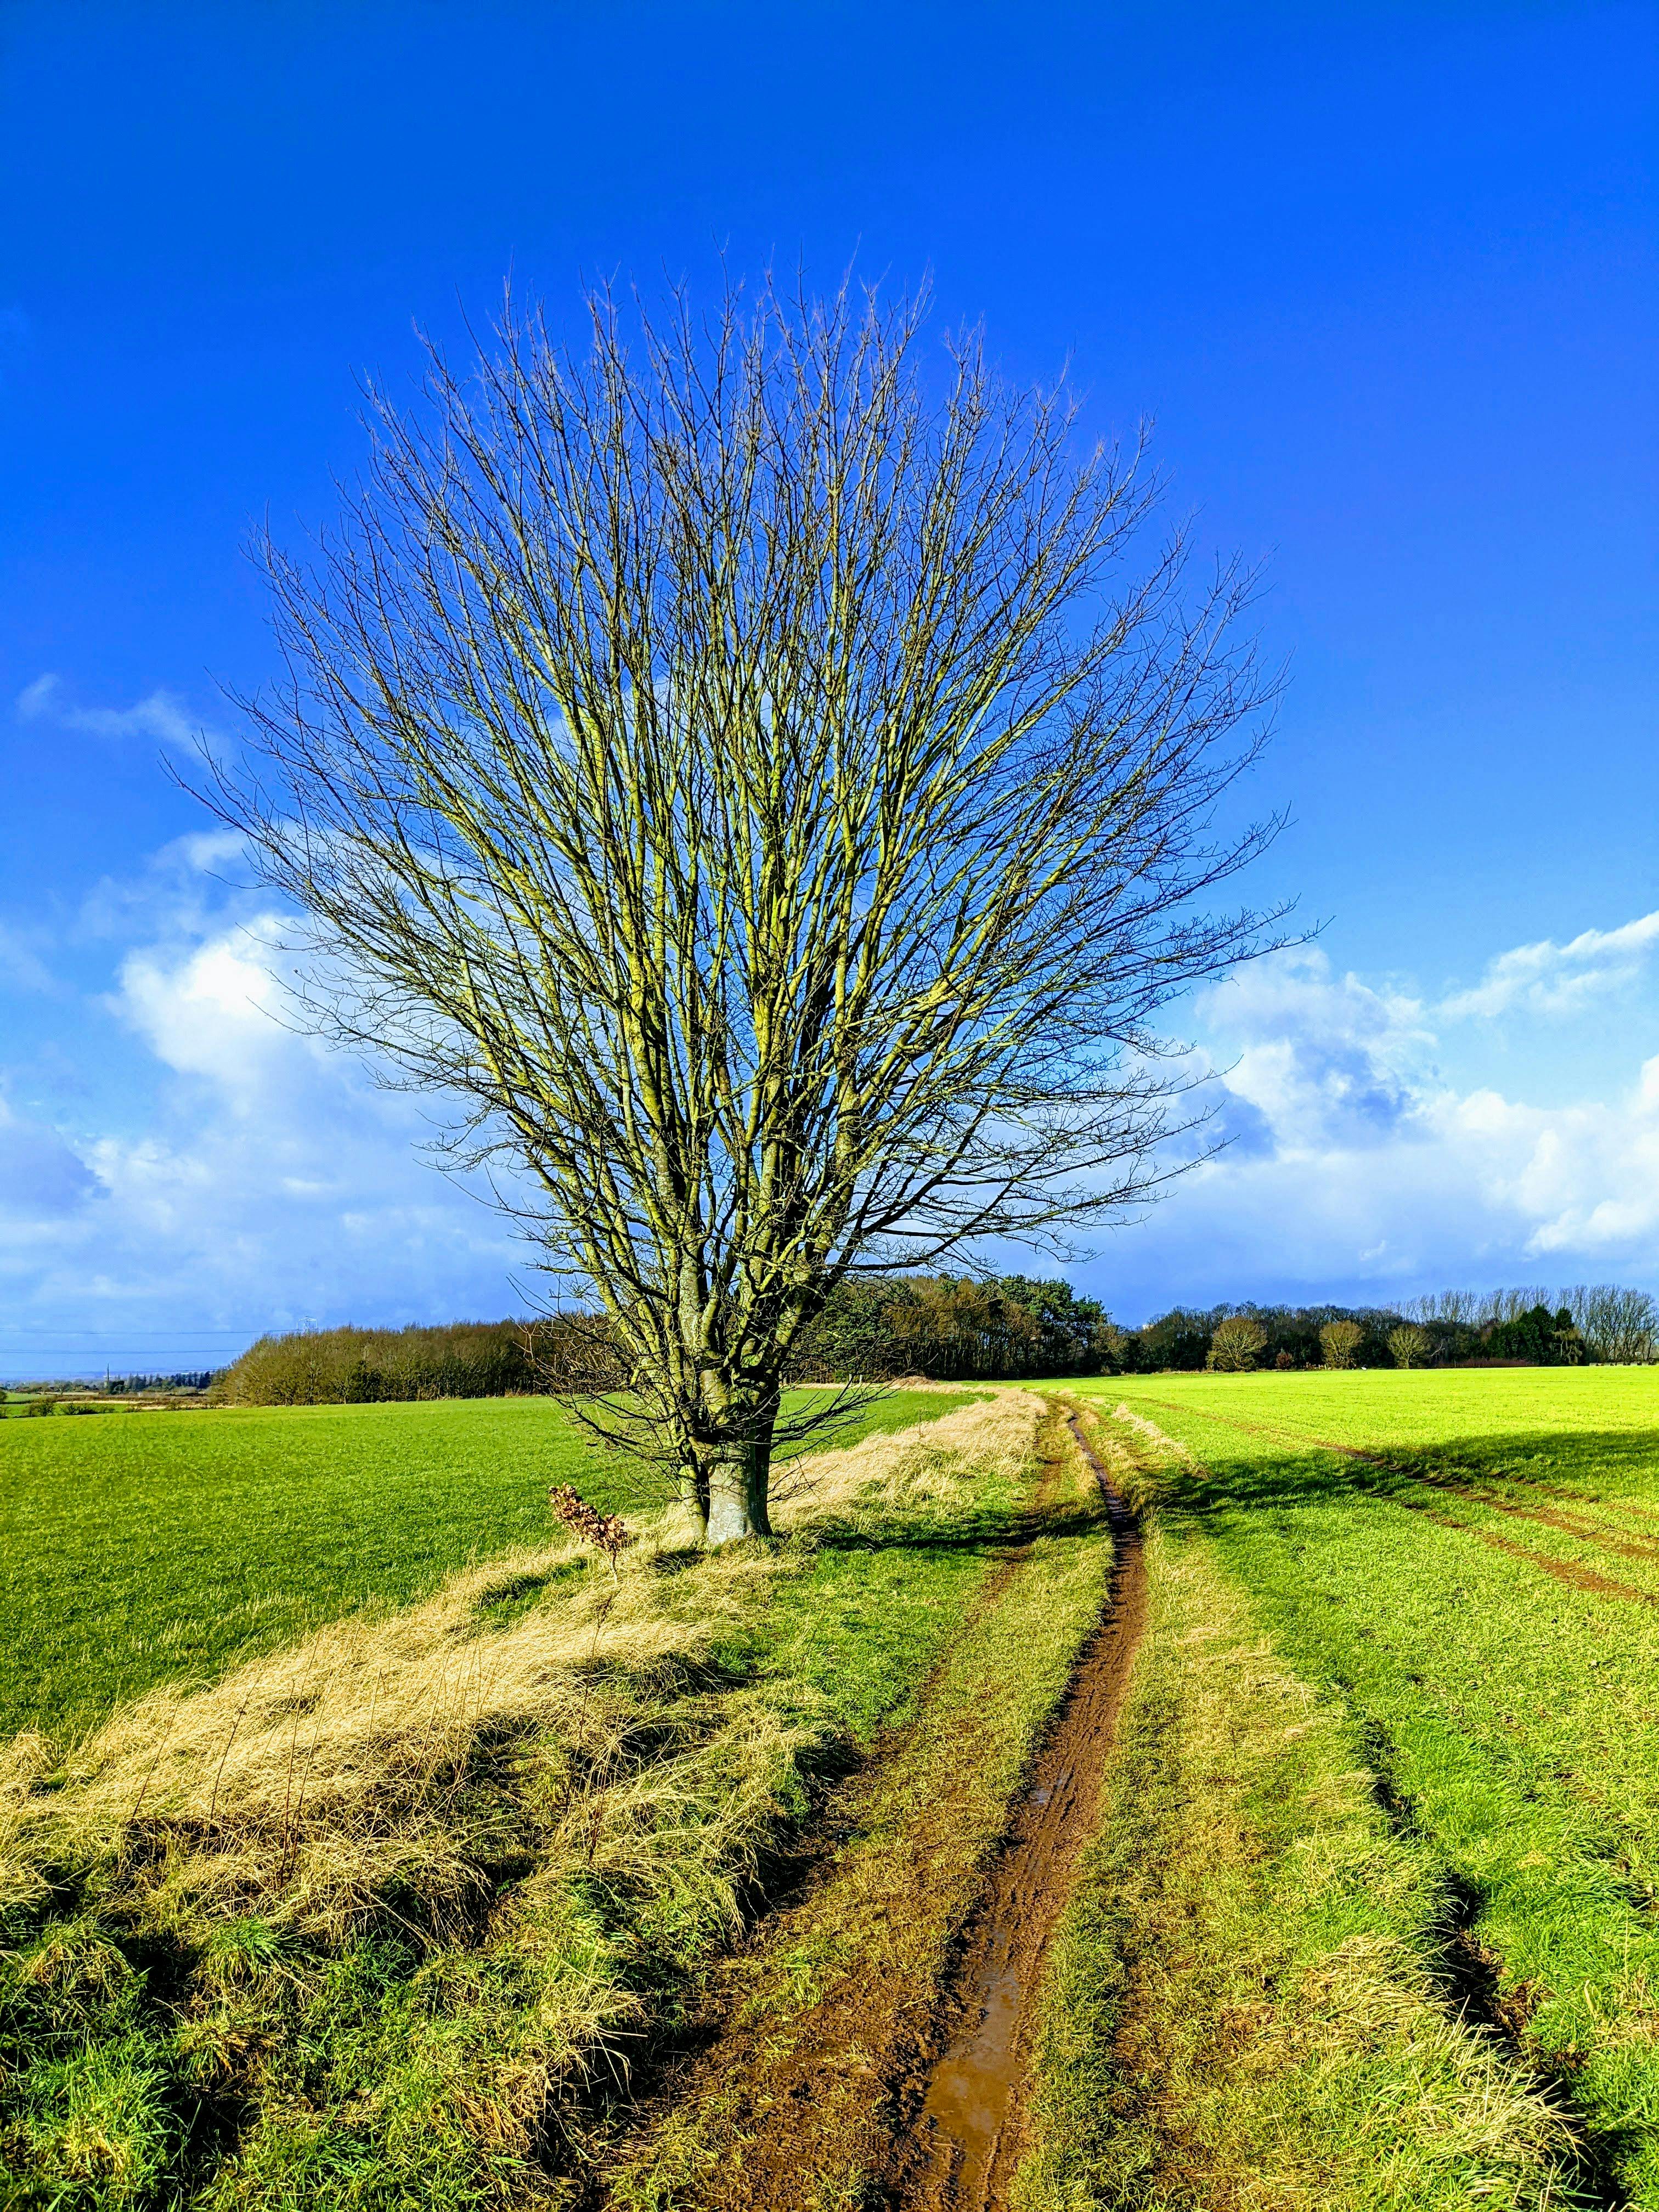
(962, 2154)
(896, 2087)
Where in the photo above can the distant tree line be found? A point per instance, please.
(967, 1328)
(945, 1328)
(1614, 1324)
(360, 1366)
(957, 1329)
(194, 1378)
(120, 1386)
(1586, 1322)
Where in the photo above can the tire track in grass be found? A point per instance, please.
(1624, 1546)
(1563, 1570)
(963, 2154)
(812, 2066)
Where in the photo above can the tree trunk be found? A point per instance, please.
(694, 1497)
(739, 1474)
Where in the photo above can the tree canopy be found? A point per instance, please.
(764, 772)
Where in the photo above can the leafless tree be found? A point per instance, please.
(1617, 1325)
(1459, 1308)
(1340, 1341)
(1236, 1345)
(1410, 1345)
(1479, 1308)
(742, 764)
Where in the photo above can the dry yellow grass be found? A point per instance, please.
(945, 1460)
(535, 1718)
(340, 1735)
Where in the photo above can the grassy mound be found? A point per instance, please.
(141, 1551)
(371, 1920)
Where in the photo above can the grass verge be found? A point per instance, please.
(368, 1921)
(1506, 1710)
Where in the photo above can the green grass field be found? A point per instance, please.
(144, 1546)
(1464, 1567)
(1369, 1921)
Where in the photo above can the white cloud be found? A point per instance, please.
(218, 1011)
(34, 698)
(161, 714)
(40, 1173)
(1546, 978)
(190, 889)
(260, 1180)
(228, 1170)
(1361, 1170)
(270, 1133)
(1320, 1059)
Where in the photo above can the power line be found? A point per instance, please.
(119, 1335)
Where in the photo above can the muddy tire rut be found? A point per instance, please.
(962, 2152)
(901, 2083)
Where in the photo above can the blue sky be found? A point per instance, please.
(1385, 278)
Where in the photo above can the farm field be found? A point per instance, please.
(1461, 1570)
(142, 1547)
(484, 1879)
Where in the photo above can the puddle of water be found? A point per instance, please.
(968, 2098)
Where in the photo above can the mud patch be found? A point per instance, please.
(966, 2145)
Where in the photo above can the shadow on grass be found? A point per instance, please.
(990, 1532)
(990, 1535)
(1596, 1467)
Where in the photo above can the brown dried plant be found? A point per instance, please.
(607, 1532)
